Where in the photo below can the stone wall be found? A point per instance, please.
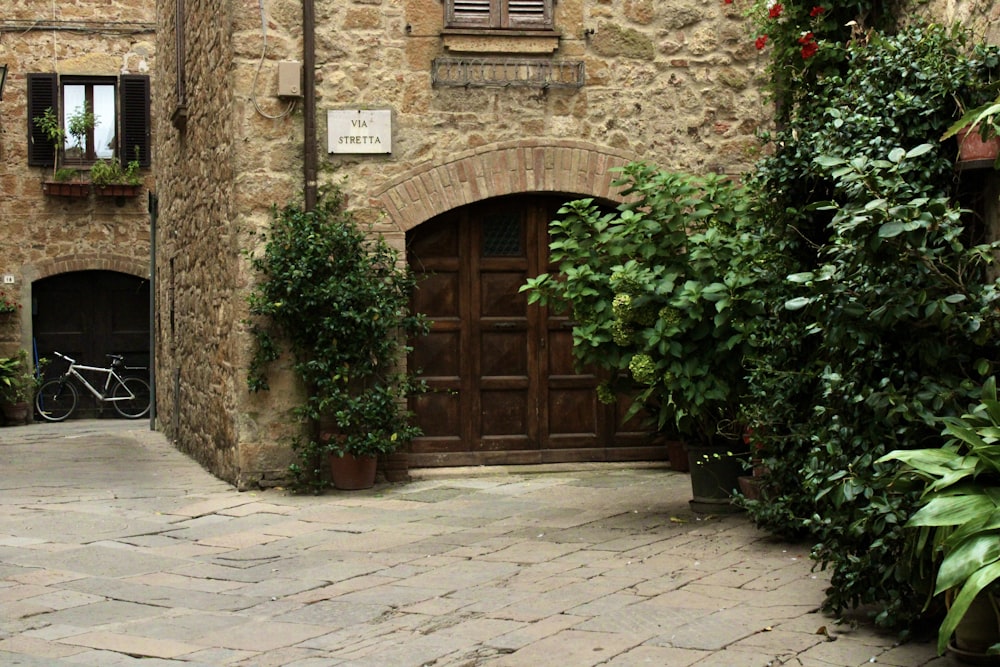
(674, 83)
(44, 235)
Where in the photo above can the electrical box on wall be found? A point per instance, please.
(289, 78)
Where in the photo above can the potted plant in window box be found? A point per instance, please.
(66, 181)
(110, 179)
(958, 527)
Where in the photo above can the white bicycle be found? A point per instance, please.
(56, 399)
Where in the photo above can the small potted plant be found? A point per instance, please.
(8, 304)
(957, 527)
(66, 181)
(18, 384)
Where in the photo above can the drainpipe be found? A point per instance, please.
(309, 101)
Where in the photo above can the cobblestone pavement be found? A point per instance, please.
(116, 549)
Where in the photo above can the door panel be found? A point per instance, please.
(504, 388)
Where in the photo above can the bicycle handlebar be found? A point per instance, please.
(115, 358)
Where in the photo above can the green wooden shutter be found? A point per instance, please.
(43, 92)
(134, 123)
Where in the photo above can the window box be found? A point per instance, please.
(118, 190)
(78, 189)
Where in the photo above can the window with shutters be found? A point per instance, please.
(499, 14)
(121, 109)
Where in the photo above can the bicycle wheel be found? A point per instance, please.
(138, 404)
(56, 400)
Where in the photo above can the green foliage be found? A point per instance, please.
(50, 125)
(807, 41)
(664, 288)
(79, 123)
(958, 523)
(881, 310)
(111, 172)
(339, 301)
(18, 383)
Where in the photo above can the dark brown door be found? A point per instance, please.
(87, 315)
(503, 386)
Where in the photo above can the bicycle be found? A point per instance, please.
(56, 399)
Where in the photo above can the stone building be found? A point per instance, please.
(77, 266)
(456, 128)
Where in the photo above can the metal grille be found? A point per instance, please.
(480, 72)
(502, 235)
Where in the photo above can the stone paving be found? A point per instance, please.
(116, 549)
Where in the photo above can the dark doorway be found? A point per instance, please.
(87, 315)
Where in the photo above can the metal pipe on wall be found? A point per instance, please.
(309, 101)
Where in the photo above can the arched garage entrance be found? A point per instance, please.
(88, 314)
(504, 390)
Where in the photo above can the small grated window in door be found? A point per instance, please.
(502, 235)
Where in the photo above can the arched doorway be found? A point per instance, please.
(503, 386)
(87, 315)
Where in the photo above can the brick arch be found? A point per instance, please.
(92, 262)
(501, 169)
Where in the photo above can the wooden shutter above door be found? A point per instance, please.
(528, 14)
(470, 13)
(522, 14)
(43, 93)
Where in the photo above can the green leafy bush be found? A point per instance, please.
(338, 299)
(663, 293)
(881, 310)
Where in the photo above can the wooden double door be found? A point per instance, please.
(503, 389)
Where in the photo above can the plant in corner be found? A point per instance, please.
(18, 384)
(663, 291)
(958, 524)
(338, 299)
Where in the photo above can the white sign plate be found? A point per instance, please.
(359, 130)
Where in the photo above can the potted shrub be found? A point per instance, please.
(662, 291)
(18, 384)
(957, 527)
(338, 299)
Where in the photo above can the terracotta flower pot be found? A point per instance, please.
(973, 152)
(15, 413)
(353, 473)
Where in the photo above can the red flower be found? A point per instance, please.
(816, 11)
(727, 2)
(809, 50)
(806, 38)
(775, 10)
(761, 42)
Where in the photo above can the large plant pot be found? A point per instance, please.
(353, 473)
(15, 414)
(715, 472)
(978, 630)
(973, 152)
